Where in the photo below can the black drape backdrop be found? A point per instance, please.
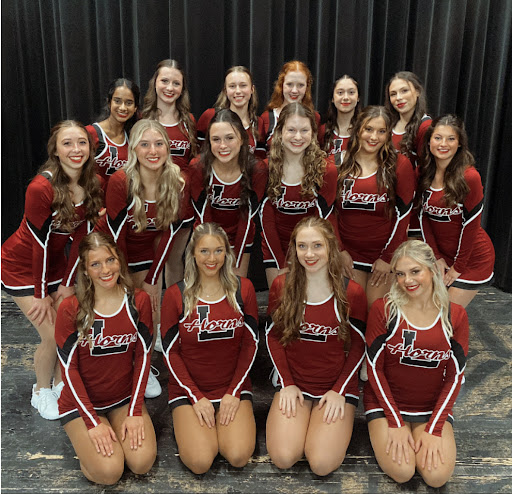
(58, 57)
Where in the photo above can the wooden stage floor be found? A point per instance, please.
(38, 457)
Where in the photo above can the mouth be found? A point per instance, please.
(372, 144)
(297, 144)
(400, 105)
(122, 114)
(412, 288)
(153, 160)
(211, 267)
(168, 95)
(107, 278)
(76, 159)
(311, 262)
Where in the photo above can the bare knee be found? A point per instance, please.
(141, 464)
(435, 478)
(321, 465)
(402, 474)
(198, 463)
(238, 458)
(285, 458)
(107, 473)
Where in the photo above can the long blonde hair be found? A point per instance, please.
(192, 280)
(170, 185)
(397, 298)
(85, 287)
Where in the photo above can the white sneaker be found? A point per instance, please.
(45, 400)
(158, 340)
(58, 389)
(153, 388)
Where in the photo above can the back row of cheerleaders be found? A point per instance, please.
(335, 203)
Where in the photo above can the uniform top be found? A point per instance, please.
(34, 255)
(413, 369)
(452, 231)
(110, 156)
(179, 143)
(339, 144)
(115, 369)
(365, 228)
(317, 362)
(220, 203)
(209, 353)
(120, 224)
(418, 141)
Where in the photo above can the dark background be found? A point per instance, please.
(58, 57)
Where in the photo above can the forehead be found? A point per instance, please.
(209, 242)
(170, 73)
(445, 130)
(376, 122)
(122, 92)
(297, 121)
(238, 77)
(406, 263)
(99, 253)
(310, 234)
(71, 133)
(295, 76)
(222, 128)
(151, 135)
(398, 84)
(346, 84)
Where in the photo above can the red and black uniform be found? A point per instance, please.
(414, 374)
(317, 362)
(269, 121)
(257, 148)
(179, 142)
(279, 216)
(33, 258)
(338, 147)
(115, 370)
(110, 156)
(209, 353)
(139, 248)
(365, 227)
(220, 203)
(455, 233)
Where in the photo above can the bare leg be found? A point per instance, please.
(174, 264)
(461, 296)
(244, 266)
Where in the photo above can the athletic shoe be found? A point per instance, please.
(35, 397)
(158, 340)
(46, 403)
(58, 389)
(153, 388)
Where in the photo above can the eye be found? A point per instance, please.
(368, 129)
(399, 274)
(382, 131)
(83, 142)
(129, 102)
(301, 246)
(243, 85)
(392, 94)
(404, 90)
(177, 83)
(117, 101)
(352, 92)
(318, 245)
(159, 144)
(415, 271)
(164, 81)
(110, 260)
(143, 144)
(204, 251)
(219, 250)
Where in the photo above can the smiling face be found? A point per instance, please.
(297, 134)
(225, 142)
(103, 268)
(312, 251)
(210, 255)
(415, 279)
(403, 96)
(238, 89)
(72, 149)
(168, 85)
(345, 96)
(294, 86)
(373, 135)
(152, 151)
(122, 104)
(444, 143)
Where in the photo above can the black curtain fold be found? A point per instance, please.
(58, 57)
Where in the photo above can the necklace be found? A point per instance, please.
(205, 295)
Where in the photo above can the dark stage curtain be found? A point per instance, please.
(60, 55)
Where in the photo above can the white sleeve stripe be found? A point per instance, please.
(237, 387)
(264, 234)
(139, 380)
(462, 232)
(271, 357)
(244, 241)
(397, 222)
(154, 279)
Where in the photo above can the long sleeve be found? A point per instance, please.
(117, 209)
(327, 193)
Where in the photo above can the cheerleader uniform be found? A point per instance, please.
(33, 258)
(338, 147)
(209, 353)
(366, 230)
(455, 233)
(115, 370)
(220, 203)
(279, 216)
(179, 143)
(318, 362)
(414, 373)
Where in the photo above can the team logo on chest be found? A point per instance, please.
(112, 161)
(316, 332)
(108, 344)
(437, 213)
(417, 357)
(360, 200)
(218, 201)
(151, 221)
(292, 207)
(211, 329)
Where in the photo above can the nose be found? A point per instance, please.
(76, 146)
(374, 134)
(122, 106)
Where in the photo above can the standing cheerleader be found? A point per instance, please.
(226, 185)
(238, 95)
(210, 338)
(293, 85)
(110, 134)
(167, 100)
(104, 338)
(450, 195)
(375, 194)
(417, 344)
(302, 182)
(316, 342)
(343, 108)
(61, 202)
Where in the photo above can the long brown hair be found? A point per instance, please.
(313, 161)
(62, 203)
(289, 314)
(150, 108)
(455, 186)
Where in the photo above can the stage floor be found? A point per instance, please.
(38, 457)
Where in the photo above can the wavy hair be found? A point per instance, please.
(455, 186)
(128, 84)
(277, 98)
(252, 108)
(313, 161)
(170, 184)
(246, 159)
(85, 291)
(386, 157)
(150, 109)
(288, 317)
(408, 142)
(62, 202)
(331, 119)
(192, 279)
(397, 298)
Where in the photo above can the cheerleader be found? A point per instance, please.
(167, 100)
(417, 344)
(450, 195)
(110, 134)
(239, 95)
(316, 342)
(227, 185)
(104, 338)
(293, 85)
(62, 203)
(210, 338)
(302, 182)
(342, 111)
(375, 194)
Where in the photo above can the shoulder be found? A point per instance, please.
(472, 176)
(317, 118)
(92, 130)
(118, 177)
(192, 117)
(69, 306)
(41, 186)
(278, 284)
(265, 117)
(330, 168)
(458, 313)
(378, 308)
(403, 165)
(141, 298)
(260, 167)
(208, 114)
(355, 293)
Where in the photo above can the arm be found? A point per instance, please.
(202, 124)
(327, 193)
